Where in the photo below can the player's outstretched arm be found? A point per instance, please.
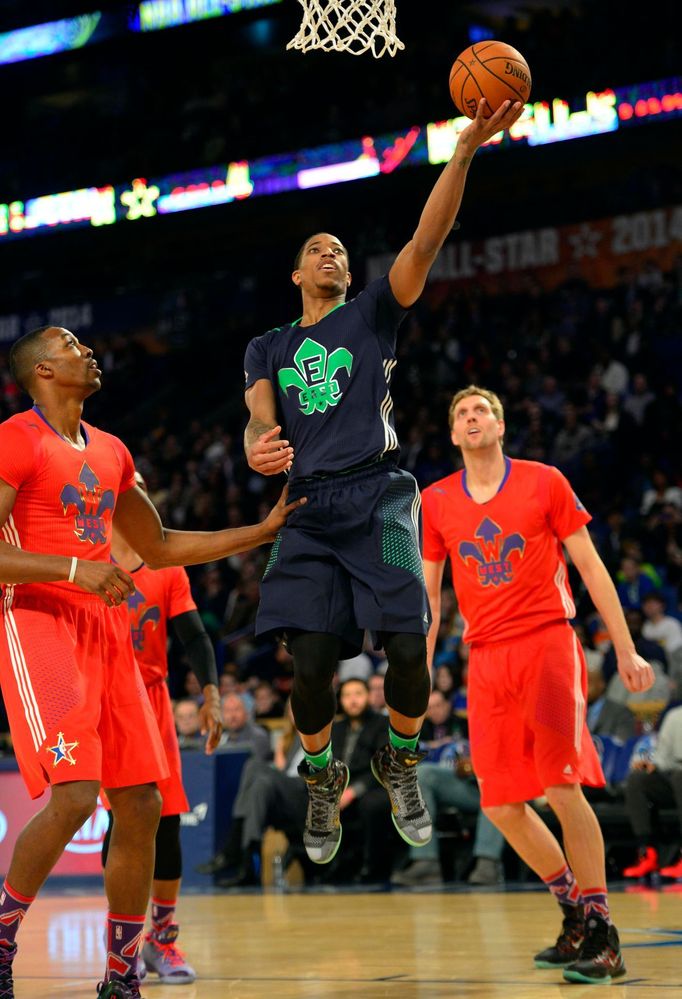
(107, 581)
(198, 647)
(412, 265)
(139, 523)
(433, 580)
(635, 672)
(264, 450)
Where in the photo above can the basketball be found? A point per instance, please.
(489, 69)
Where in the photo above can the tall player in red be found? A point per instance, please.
(161, 597)
(503, 523)
(79, 713)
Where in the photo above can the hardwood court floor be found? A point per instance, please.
(337, 946)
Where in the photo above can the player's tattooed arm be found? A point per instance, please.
(265, 450)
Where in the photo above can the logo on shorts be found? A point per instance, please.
(141, 615)
(63, 750)
(491, 553)
(315, 376)
(91, 503)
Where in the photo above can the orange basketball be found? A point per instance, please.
(493, 70)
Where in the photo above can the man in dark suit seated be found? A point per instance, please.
(604, 715)
(368, 839)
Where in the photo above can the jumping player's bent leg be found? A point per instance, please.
(313, 705)
(39, 846)
(406, 688)
(127, 880)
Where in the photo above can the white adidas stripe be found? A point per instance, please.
(16, 652)
(578, 696)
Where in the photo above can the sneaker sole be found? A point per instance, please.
(546, 965)
(328, 860)
(576, 976)
(401, 833)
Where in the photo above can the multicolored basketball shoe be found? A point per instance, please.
(322, 833)
(396, 770)
(600, 959)
(7, 955)
(127, 988)
(568, 943)
(161, 955)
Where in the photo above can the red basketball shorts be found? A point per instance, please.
(172, 792)
(76, 702)
(526, 704)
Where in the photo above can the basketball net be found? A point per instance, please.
(348, 26)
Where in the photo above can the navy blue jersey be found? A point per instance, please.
(332, 382)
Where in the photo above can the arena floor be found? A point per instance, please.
(327, 945)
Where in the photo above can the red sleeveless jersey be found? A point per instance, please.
(160, 594)
(508, 566)
(65, 497)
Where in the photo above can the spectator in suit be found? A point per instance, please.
(269, 795)
(188, 723)
(364, 805)
(604, 715)
(447, 781)
(239, 730)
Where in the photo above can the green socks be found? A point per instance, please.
(402, 741)
(318, 761)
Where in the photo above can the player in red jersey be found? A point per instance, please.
(162, 596)
(503, 522)
(79, 713)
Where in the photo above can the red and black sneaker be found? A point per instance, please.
(6, 981)
(600, 959)
(568, 943)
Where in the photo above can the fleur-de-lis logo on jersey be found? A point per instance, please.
(91, 503)
(141, 614)
(491, 553)
(315, 376)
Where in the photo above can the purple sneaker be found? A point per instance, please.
(6, 982)
(161, 955)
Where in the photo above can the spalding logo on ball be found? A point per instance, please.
(493, 70)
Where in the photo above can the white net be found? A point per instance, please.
(354, 26)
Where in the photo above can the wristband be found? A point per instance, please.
(72, 570)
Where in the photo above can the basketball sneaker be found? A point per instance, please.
(6, 981)
(568, 943)
(646, 864)
(161, 955)
(396, 771)
(127, 988)
(673, 870)
(322, 833)
(600, 959)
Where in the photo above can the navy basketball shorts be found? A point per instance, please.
(349, 560)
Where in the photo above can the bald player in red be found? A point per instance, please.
(79, 713)
(503, 523)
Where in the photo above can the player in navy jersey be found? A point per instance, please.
(318, 391)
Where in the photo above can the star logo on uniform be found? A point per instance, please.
(63, 750)
(584, 241)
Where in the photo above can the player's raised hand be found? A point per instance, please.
(481, 128)
(635, 672)
(269, 455)
(210, 718)
(108, 581)
(276, 519)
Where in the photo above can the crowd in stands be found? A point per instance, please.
(591, 382)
